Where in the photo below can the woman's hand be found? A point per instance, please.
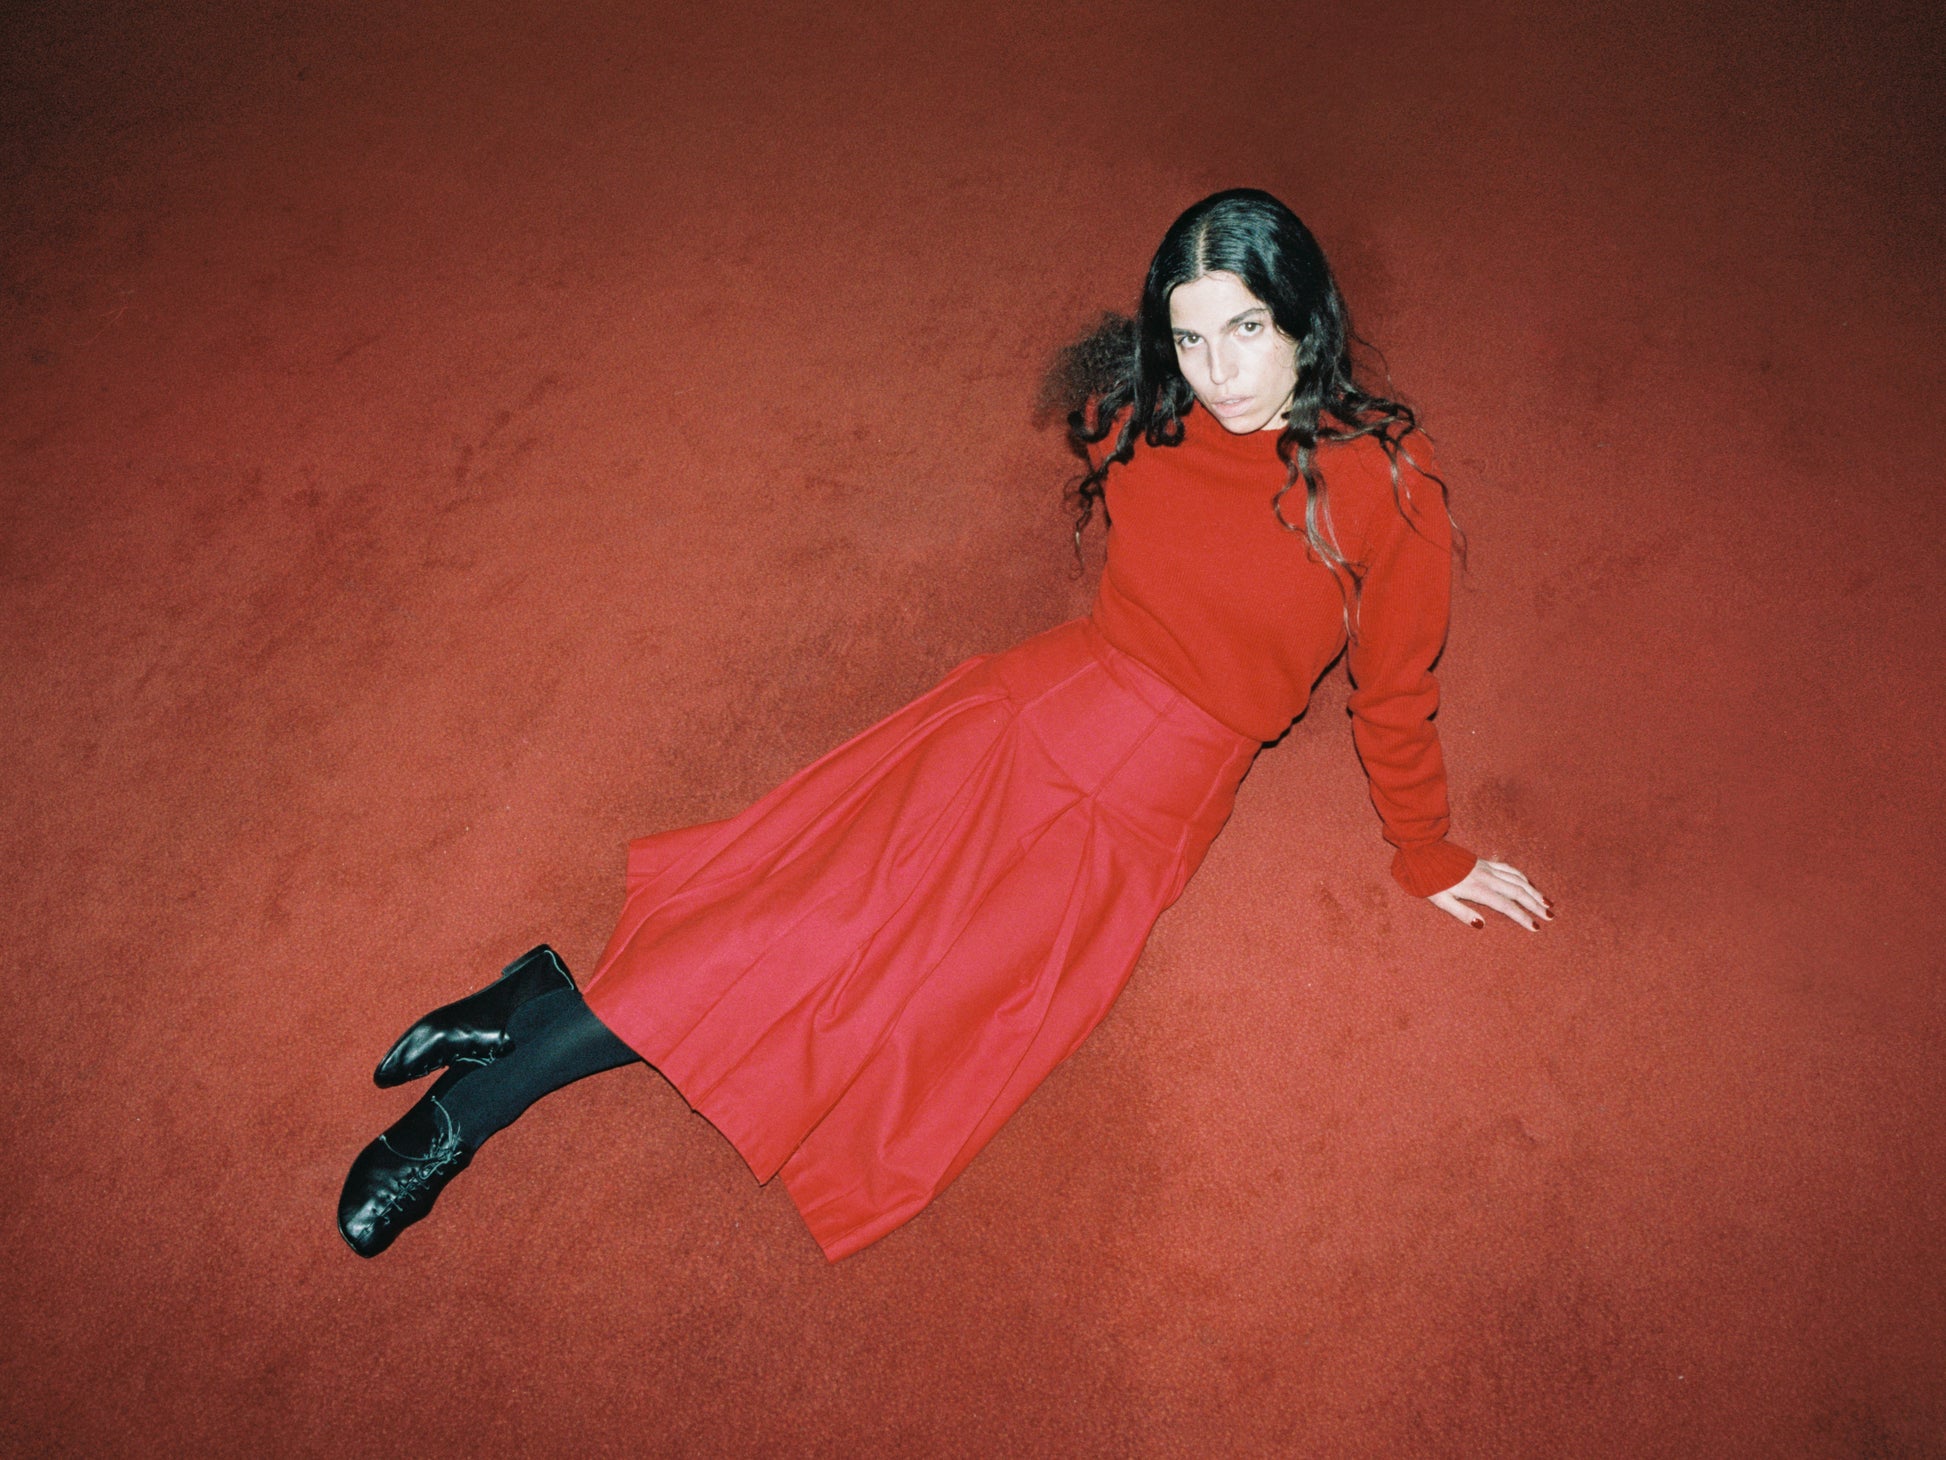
(1497, 886)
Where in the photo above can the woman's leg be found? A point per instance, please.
(395, 1180)
(557, 1040)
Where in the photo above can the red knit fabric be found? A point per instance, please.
(1205, 587)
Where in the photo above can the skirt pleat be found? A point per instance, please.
(859, 978)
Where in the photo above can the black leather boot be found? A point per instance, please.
(473, 1029)
(398, 1177)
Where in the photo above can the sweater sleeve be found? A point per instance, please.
(1402, 618)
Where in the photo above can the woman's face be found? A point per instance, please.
(1241, 366)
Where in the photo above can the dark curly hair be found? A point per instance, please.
(1122, 378)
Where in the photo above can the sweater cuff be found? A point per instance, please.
(1431, 867)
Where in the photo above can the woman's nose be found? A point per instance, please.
(1222, 366)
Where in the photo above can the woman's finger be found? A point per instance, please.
(1490, 891)
(1507, 906)
(1530, 896)
(1447, 903)
(1513, 874)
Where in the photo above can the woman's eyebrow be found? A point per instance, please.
(1234, 319)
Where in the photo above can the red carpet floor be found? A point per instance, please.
(441, 442)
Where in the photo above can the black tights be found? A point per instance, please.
(557, 1040)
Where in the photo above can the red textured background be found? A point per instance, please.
(438, 445)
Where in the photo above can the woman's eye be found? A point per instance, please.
(1187, 340)
(1252, 326)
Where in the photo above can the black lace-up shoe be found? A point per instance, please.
(398, 1177)
(473, 1030)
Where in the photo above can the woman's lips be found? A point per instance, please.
(1235, 406)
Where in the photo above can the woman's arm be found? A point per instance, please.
(1402, 611)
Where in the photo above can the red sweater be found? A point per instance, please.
(1205, 587)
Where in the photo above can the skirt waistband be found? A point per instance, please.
(1118, 731)
(1034, 666)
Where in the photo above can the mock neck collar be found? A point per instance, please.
(1205, 430)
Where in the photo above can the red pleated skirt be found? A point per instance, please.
(859, 978)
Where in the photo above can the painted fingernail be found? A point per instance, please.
(1479, 922)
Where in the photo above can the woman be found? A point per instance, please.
(862, 976)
